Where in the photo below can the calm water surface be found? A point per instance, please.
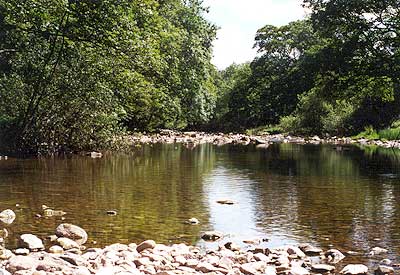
(347, 198)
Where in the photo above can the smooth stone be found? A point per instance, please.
(253, 268)
(72, 232)
(31, 242)
(52, 238)
(323, 268)
(95, 155)
(66, 243)
(111, 212)
(211, 235)
(7, 216)
(81, 270)
(377, 251)
(294, 250)
(298, 270)
(192, 263)
(21, 251)
(205, 267)
(232, 246)
(145, 245)
(253, 242)
(193, 221)
(310, 250)
(385, 262)
(270, 270)
(261, 257)
(4, 233)
(334, 255)
(74, 259)
(229, 202)
(354, 269)
(56, 249)
(383, 269)
(17, 263)
(50, 212)
(4, 272)
(5, 254)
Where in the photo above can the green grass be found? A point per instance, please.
(385, 134)
(390, 134)
(368, 133)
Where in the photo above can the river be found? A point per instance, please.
(331, 196)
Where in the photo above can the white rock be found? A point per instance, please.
(7, 216)
(354, 269)
(31, 242)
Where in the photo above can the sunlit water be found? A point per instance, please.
(342, 197)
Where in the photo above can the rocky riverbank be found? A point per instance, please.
(66, 254)
(191, 139)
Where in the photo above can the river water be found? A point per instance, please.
(342, 197)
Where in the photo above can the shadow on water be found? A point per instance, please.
(346, 197)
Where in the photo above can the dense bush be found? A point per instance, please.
(75, 73)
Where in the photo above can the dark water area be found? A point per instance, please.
(342, 197)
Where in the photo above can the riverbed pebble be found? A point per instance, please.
(149, 258)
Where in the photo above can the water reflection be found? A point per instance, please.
(347, 198)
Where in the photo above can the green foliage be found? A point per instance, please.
(73, 74)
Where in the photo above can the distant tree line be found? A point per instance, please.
(75, 74)
(336, 72)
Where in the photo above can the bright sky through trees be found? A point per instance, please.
(239, 20)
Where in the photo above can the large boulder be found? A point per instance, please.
(72, 232)
(31, 242)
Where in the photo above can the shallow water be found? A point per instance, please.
(342, 197)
